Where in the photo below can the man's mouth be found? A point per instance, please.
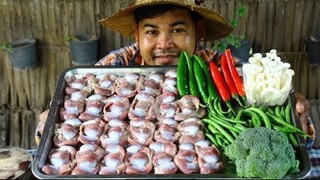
(166, 59)
(167, 56)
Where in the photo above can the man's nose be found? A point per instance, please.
(165, 41)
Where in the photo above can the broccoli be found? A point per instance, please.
(262, 152)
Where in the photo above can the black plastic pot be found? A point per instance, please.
(24, 54)
(84, 51)
(313, 49)
(242, 52)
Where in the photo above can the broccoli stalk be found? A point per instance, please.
(262, 152)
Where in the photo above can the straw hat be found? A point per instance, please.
(216, 26)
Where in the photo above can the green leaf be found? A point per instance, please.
(242, 11)
(232, 39)
(7, 47)
(69, 38)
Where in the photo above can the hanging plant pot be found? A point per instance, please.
(23, 53)
(242, 52)
(313, 49)
(84, 50)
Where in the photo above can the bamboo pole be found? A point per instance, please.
(4, 124)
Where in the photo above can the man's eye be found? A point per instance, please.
(151, 32)
(178, 30)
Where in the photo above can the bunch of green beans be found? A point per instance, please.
(222, 127)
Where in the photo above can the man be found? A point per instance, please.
(162, 29)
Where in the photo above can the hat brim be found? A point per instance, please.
(123, 20)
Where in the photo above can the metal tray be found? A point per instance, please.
(46, 142)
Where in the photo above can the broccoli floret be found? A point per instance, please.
(262, 152)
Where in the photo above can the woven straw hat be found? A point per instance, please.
(122, 21)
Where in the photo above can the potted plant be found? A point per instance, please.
(313, 49)
(22, 53)
(83, 49)
(239, 46)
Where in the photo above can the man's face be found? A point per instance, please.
(161, 39)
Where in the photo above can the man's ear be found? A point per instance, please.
(201, 26)
(136, 32)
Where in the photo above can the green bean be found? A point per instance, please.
(262, 114)
(282, 111)
(238, 116)
(215, 106)
(278, 113)
(223, 140)
(211, 106)
(211, 138)
(284, 123)
(218, 118)
(230, 109)
(221, 123)
(293, 140)
(270, 110)
(255, 118)
(283, 129)
(226, 119)
(287, 111)
(219, 140)
(220, 129)
(213, 129)
(235, 135)
(240, 127)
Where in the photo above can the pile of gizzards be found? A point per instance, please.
(221, 91)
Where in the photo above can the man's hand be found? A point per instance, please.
(302, 109)
(42, 121)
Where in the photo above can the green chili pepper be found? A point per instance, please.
(200, 82)
(193, 88)
(182, 76)
(205, 69)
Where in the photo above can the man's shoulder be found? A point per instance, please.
(120, 56)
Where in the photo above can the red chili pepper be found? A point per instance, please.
(227, 76)
(234, 73)
(219, 82)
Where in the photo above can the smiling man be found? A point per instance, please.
(162, 38)
(162, 29)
